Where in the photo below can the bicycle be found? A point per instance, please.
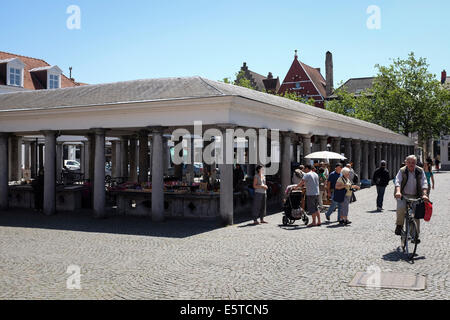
(409, 232)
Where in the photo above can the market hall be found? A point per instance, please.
(137, 119)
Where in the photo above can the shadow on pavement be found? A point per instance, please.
(82, 220)
(399, 255)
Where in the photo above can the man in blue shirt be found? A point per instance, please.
(331, 183)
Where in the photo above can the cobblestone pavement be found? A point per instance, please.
(133, 258)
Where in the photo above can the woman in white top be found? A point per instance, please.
(259, 202)
(344, 182)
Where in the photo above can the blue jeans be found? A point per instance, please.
(380, 196)
(332, 207)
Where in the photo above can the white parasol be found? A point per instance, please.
(325, 155)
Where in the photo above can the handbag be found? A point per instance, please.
(428, 210)
(339, 195)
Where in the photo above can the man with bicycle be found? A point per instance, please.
(410, 183)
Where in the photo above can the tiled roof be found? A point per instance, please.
(30, 82)
(317, 78)
(157, 90)
(356, 85)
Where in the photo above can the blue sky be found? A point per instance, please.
(126, 40)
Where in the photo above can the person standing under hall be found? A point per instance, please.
(331, 184)
(381, 180)
(260, 187)
(311, 180)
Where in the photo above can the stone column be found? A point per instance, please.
(27, 160)
(306, 146)
(166, 156)
(34, 167)
(59, 160)
(394, 158)
(379, 155)
(348, 150)
(133, 158)
(50, 173)
(99, 174)
(357, 157)
(143, 156)
(390, 160)
(371, 159)
(14, 159)
(83, 158)
(226, 179)
(323, 143)
(124, 154)
(384, 152)
(336, 145)
(157, 176)
(285, 162)
(4, 171)
(365, 160)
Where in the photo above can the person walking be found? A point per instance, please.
(428, 169)
(311, 181)
(331, 184)
(322, 191)
(259, 202)
(381, 180)
(344, 182)
(410, 183)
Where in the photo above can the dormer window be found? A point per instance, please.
(49, 76)
(53, 82)
(11, 72)
(15, 77)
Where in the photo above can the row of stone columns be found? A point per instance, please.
(365, 155)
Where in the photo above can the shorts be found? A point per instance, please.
(312, 204)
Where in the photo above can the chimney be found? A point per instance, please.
(295, 56)
(443, 76)
(329, 73)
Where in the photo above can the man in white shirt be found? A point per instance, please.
(410, 183)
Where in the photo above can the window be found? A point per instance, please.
(15, 77)
(53, 82)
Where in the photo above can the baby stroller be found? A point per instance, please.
(293, 206)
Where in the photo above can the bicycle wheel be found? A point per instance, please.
(413, 236)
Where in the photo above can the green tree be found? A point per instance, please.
(408, 98)
(405, 98)
(349, 104)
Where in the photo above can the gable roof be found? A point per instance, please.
(30, 82)
(317, 78)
